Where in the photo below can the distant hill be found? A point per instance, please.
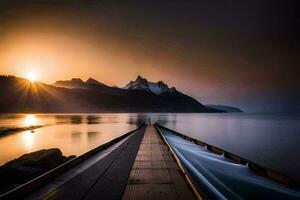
(225, 108)
(78, 83)
(20, 95)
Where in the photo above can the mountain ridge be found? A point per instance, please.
(77, 83)
(157, 88)
(20, 95)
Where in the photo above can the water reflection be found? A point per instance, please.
(92, 119)
(138, 119)
(76, 139)
(166, 119)
(30, 120)
(76, 134)
(92, 135)
(28, 138)
(76, 119)
(161, 118)
(62, 119)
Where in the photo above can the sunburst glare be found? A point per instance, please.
(32, 77)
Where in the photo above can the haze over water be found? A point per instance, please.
(270, 140)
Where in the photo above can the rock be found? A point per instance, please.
(29, 166)
(45, 159)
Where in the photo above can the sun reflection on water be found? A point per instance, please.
(30, 120)
(28, 139)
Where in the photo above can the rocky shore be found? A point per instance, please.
(29, 166)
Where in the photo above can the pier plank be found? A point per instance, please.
(155, 175)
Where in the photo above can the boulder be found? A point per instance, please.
(29, 166)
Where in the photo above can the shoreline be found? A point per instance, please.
(10, 131)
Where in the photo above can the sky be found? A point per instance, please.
(231, 52)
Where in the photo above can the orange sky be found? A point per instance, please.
(54, 56)
(229, 57)
(57, 52)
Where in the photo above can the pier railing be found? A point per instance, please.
(198, 193)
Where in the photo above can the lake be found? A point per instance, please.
(271, 140)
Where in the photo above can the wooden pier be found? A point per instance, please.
(155, 174)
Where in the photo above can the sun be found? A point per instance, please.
(31, 76)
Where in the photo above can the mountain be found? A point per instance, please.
(20, 95)
(92, 81)
(74, 83)
(78, 83)
(229, 109)
(157, 88)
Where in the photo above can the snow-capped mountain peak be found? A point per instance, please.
(143, 84)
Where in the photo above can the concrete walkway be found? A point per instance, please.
(155, 174)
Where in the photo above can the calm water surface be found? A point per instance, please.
(73, 134)
(269, 139)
